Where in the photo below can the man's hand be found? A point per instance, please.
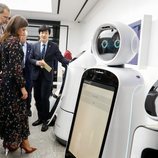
(41, 63)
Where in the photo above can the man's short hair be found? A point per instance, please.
(44, 28)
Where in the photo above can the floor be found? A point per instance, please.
(45, 142)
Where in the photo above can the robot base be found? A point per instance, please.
(61, 141)
(63, 123)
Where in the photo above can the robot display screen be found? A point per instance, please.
(108, 42)
(91, 120)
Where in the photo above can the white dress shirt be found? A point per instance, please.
(24, 47)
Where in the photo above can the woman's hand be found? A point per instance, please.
(24, 93)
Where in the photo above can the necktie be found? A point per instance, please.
(23, 62)
(43, 51)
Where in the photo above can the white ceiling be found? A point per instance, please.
(62, 10)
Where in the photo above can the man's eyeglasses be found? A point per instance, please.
(6, 17)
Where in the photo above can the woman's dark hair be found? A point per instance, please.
(15, 23)
(44, 28)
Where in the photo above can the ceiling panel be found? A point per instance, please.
(69, 10)
(54, 6)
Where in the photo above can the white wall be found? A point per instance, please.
(153, 49)
(74, 37)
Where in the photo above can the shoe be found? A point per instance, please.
(6, 151)
(29, 113)
(26, 147)
(44, 127)
(54, 95)
(5, 148)
(9, 148)
(36, 123)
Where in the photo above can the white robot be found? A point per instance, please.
(69, 95)
(110, 118)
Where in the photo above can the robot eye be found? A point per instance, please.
(117, 43)
(104, 44)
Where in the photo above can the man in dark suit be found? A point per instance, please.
(27, 66)
(44, 52)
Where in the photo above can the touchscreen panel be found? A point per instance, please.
(91, 120)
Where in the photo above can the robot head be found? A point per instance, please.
(115, 44)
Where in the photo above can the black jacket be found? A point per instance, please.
(51, 54)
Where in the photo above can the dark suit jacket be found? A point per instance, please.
(51, 54)
(28, 65)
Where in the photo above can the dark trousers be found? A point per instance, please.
(42, 88)
(28, 100)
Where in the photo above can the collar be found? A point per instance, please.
(23, 44)
(44, 43)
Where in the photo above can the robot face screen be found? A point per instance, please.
(108, 42)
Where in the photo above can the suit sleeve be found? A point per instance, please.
(60, 57)
(32, 57)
